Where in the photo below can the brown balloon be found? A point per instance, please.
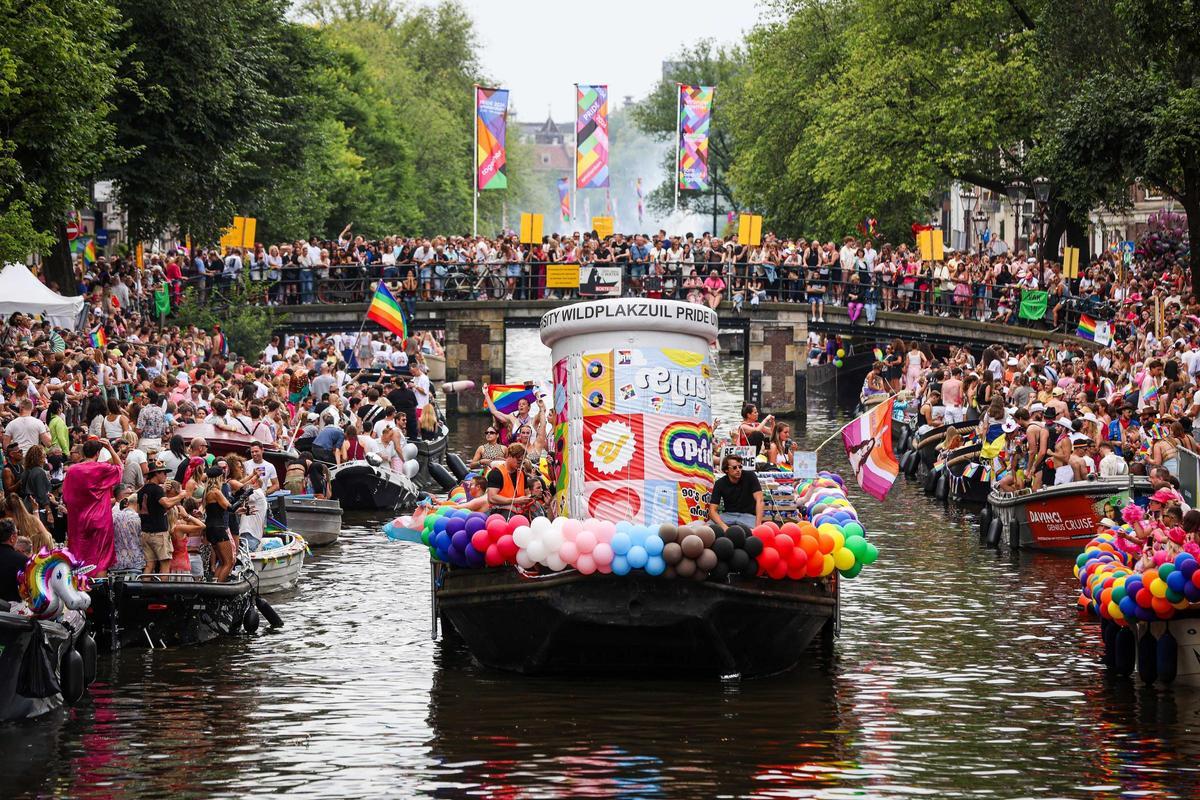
(692, 546)
(672, 553)
(706, 535)
(685, 568)
(700, 575)
(669, 572)
(668, 533)
(707, 560)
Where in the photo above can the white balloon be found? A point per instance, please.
(409, 451)
(524, 560)
(536, 550)
(411, 468)
(555, 562)
(522, 536)
(539, 525)
(553, 539)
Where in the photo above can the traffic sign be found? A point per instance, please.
(73, 229)
(102, 237)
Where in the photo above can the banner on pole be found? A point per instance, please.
(749, 230)
(930, 244)
(591, 137)
(531, 228)
(564, 199)
(695, 116)
(491, 119)
(603, 226)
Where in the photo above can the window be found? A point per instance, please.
(545, 158)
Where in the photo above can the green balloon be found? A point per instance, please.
(853, 529)
(425, 537)
(857, 545)
(852, 572)
(871, 554)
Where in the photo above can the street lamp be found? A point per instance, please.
(1041, 194)
(981, 218)
(1017, 191)
(968, 196)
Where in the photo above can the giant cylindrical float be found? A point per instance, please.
(633, 424)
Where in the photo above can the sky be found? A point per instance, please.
(538, 49)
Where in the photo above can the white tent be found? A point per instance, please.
(21, 291)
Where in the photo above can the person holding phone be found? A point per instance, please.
(506, 484)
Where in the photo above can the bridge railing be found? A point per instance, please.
(736, 284)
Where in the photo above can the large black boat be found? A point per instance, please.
(43, 663)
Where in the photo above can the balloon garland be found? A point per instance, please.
(832, 538)
(1112, 585)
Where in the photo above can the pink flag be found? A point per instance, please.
(868, 441)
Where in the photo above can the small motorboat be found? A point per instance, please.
(927, 439)
(970, 480)
(47, 659)
(167, 610)
(222, 443)
(433, 475)
(1060, 518)
(367, 485)
(278, 561)
(318, 521)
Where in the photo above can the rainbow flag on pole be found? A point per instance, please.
(868, 441)
(87, 249)
(506, 397)
(564, 199)
(491, 121)
(1087, 327)
(386, 311)
(98, 338)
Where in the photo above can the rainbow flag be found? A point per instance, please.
(506, 397)
(591, 137)
(878, 354)
(87, 249)
(491, 120)
(1086, 328)
(868, 442)
(564, 199)
(98, 338)
(386, 311)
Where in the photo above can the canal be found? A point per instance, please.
(959, 673)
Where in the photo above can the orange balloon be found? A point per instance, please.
(814, 566)
(809, 544)
(826, 542)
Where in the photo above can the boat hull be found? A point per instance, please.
(359, 486)
(145, 612)
(431, 451)
(570, 623)
(926, 440)
(279, 568)
(17, 635)
(318, 521)
(1058, 518)
(964, 488)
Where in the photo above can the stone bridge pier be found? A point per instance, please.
(474, 352)
(776, 357)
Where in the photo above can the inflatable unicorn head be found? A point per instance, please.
(51, 582)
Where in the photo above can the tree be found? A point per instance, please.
(245, 319)
(705, 64)
(54, 88)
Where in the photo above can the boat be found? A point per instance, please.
(318, 521)
(24, 693)
(170, 610)
(969, 480)
(278, 561)
(1060, 518)
(223, 443)
(367, 485)
(433, 476)
(568, 622)
(926, 440)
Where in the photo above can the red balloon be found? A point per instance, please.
(784, 544)
(492, 557)
(814, 566)
(796, 572)
(507, 547)
(768, 558)
(792, 530)
(772, 526)
(779, 570)
(497, 526)
(481, 541)
(1143, 597)
(1196, 578)
(797, 558)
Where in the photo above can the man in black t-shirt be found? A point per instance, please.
(737, 496)
(404, 400)
(152, 508)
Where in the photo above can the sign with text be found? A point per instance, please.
(750, 229)
(531, 229)
(746, 452)
(599, 281)
(562, 276)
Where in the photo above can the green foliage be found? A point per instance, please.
(705, 64)
(54, 85)
(241, 310)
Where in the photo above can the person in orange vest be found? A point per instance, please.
(506, 485)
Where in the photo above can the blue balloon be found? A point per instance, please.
(1191, 591)
(1128, 606)
(637, 556)
(623, 526)
(620, 565)
(1176, 581)
(621, 543)
(655, 564)
(653, 545)
(460, 539)
(441, 540)
(638, 534)
(474, 557)
(474, 524)
(439, 524)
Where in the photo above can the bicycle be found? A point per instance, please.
(470, 281)
(346, 288)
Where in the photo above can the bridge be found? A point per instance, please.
(775, 337)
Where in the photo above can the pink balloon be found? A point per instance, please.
(586, 565)
(585, 541)
(516, 522)
(569, 552)
(602, 554)
(605, 569)
(605, 530)
(571, 529)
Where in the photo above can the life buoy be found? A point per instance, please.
(995, 529)
(250, 619)
(1168, 657)
(457, 467)
(70, 676)
(86, 646)
(985, 520)
(1147, 657)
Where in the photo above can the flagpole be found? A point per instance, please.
(838, 432)
(474, 164)
(678, 118)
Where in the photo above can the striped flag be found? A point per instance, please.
(99, 339)
(506, 396)
(640, 206)
(386, 311)
(564, 199)
(1086, 327)
(868, 441)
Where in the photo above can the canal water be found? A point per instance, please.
(959, 673)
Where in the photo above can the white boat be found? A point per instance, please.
(318, 521)
(279, 565)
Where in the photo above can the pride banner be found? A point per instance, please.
(591, 137)
(695, 116)
(564, 199)
(491, 117)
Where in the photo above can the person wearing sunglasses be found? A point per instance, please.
(491, 449)
(737, 496)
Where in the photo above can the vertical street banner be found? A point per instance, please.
(695, 116)
(591, 137)
(491, 118)
(564, 199)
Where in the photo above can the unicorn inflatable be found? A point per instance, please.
(52, 582)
